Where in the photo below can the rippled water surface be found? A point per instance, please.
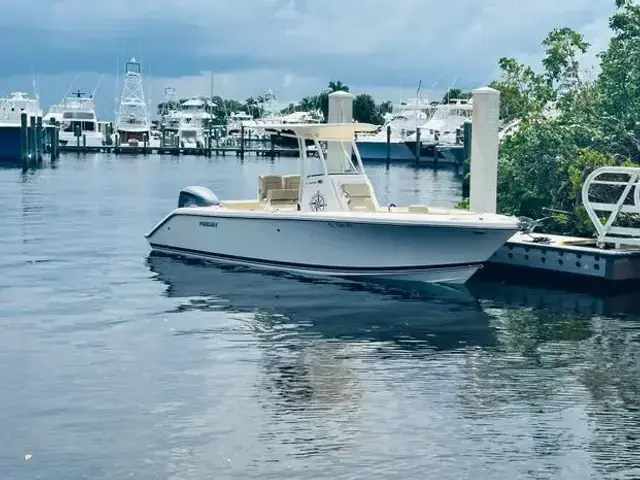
(117, 364)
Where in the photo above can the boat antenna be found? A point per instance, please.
(441, 102)
(211, 99)
(35, 85)
(66, 94)
(115, 98)
(93, 94)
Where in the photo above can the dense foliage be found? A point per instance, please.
(570, 123)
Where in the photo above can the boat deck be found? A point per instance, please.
(257, 205)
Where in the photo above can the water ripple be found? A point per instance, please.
(116, 363)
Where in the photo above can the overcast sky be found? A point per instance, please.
(293, 47)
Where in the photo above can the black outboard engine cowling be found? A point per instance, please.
(197, 197)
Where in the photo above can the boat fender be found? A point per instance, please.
(196, 196)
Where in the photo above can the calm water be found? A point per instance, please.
(115, 364)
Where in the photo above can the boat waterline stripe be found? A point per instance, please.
(319, 268)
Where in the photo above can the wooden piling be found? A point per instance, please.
(417, 152)
(272, 148)
(467, 133)
(242, 141)
(39, 139)
(32, 137)
(77, 132)
(24, 138)
(388, 145)
(55, 141)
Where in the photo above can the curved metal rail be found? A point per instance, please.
(607, 211)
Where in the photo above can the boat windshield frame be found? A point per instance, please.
(352, 168)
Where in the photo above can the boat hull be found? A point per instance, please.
(377, 150)
(356, 249)
(10, 143)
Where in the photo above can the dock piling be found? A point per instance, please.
(39, 139)
(242, 141)
(417, 152)
(484, 150)
(24, 138)
(32, 137)
(388, 145)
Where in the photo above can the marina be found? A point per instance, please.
(315, 363)
(238, 243)
(537, 252)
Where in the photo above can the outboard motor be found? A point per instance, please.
(197, 197)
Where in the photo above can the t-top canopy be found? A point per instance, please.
(336, 132)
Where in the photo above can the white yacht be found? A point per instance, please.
(442, 130)
(326, 220)
(132, 121)
(11, 109)
(237, 120)
(401, 124)
(77, 117)
(192, 119)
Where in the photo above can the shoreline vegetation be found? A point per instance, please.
(570, 121)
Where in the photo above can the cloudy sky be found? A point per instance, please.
(293, 47)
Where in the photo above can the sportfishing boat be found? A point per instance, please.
(326, 220)
(78, 122)
(132, 121)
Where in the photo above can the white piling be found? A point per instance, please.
(484, 150)
(340, 107)
(340, 111)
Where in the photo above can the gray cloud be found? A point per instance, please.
(372, 43)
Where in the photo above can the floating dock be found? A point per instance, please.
(611, 198)
(569, 255)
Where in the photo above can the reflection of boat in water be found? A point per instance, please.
(436, 317)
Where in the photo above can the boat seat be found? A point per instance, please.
(291, 182)
(281, 196)
(359, 196)
(418, 209)
(267, 183)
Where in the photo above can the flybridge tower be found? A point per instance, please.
(132, 121)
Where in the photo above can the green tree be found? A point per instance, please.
(365, 109)
(455, 93)
(597, 122)
(337, 85)
(619, 81)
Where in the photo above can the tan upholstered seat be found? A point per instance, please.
(418, 209)
(266, 183)
(291, 182)
(359, 196)
(280, 196)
